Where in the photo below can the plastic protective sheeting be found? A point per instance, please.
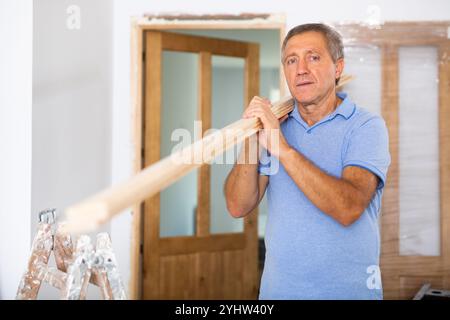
(419, 151)
(364, 63)
(419, 194)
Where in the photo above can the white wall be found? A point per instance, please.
(72, 83)
(60, 152)
(16, 34)
(297, 12)
(71, 101)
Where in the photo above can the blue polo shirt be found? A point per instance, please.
(309, 255)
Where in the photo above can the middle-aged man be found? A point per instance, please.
(324, 171)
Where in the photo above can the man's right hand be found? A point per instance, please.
(270, 137)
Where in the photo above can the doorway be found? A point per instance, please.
(186, 245)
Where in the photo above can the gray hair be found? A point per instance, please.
(332, 37)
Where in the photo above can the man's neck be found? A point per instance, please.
(313, 113)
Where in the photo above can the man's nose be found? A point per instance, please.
(302, 67)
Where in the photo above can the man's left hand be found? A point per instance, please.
(270, 136)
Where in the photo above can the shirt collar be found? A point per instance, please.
(345, 109)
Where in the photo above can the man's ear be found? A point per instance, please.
(339, 67)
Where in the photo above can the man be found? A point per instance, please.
(324, 171)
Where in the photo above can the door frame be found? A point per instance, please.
(139, 25)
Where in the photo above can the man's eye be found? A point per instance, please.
(291, 61)
(314, 58)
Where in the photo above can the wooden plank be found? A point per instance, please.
(192, 244)
(89, 214)
(204, 174)
(185, 43)
(250, 275)
(152, 137)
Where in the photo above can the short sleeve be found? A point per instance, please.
(368, 148)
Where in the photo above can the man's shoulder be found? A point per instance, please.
(363, 117)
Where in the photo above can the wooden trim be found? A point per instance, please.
(273, 22)
(199, 26)
(250, 278)
(283, 85)
(204, 173)
(444, 156)
(390, 202)
(152, 137)
(390, 113)
(136, 81)
(197, 44)
(398, 261)
(210, 17)
(194, 244)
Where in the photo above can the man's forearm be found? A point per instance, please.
(241, 186)
(334, 196)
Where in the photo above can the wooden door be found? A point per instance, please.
(403, 273)
(205, 265)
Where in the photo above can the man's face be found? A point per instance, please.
(309, 69)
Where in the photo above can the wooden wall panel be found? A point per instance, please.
(215, 275)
